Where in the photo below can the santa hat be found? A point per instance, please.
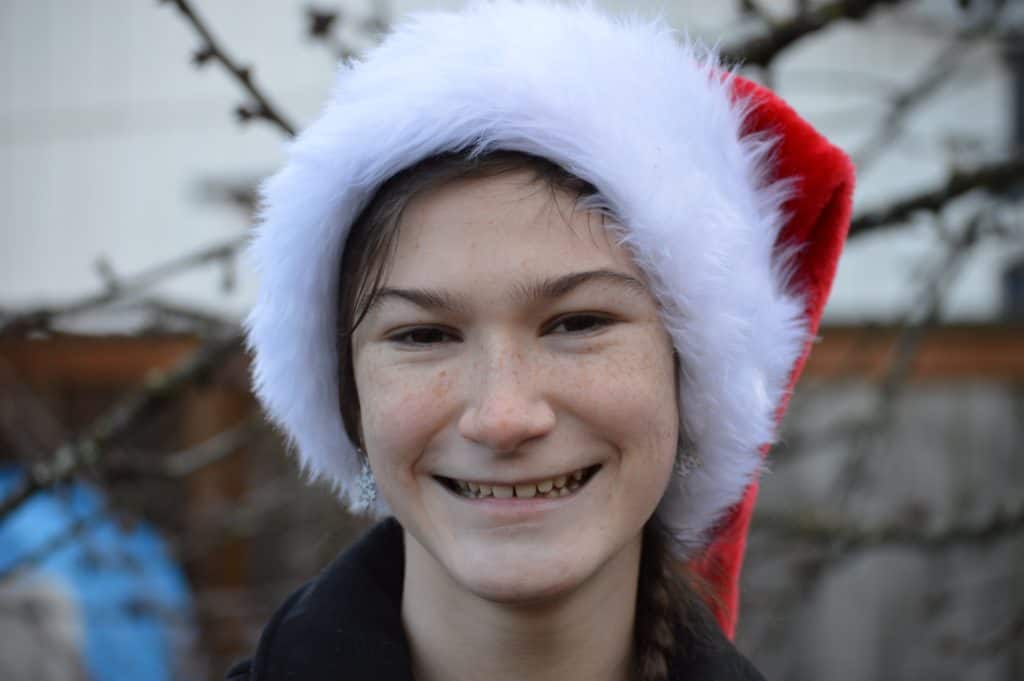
(734, 207)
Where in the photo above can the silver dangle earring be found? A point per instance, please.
(365, 484)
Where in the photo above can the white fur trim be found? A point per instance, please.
(623, 103)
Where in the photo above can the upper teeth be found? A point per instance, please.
(558, 486)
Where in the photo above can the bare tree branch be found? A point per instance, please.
(88, 449)
(753, 8)
(1006, 520)
(185, 462)
(905, 101)
(43, 318)
(213, 450)
(997, 176)
(936, 74)
(380, 19)
(25, 418)
(227, 522)
(201, 322)
(926, 312)
(322, 26)
(1004, 639)
(763, 49)
(921, 316)
(70, 534)
(211, 50)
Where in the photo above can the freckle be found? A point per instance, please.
(441, 386)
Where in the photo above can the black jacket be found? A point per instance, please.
(346, 625)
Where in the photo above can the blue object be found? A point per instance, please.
(133, 600)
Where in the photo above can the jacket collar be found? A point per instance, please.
(347, 623)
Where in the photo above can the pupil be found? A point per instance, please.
(426, 336)
(578, 323)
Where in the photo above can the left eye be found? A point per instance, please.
(424, 335)
(579, 323)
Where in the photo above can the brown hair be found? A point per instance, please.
(668, 604)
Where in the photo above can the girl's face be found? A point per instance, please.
(517, 391)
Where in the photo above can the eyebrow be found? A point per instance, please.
(544, 290)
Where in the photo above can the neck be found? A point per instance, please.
(456, 635)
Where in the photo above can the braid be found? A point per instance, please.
(670, 614)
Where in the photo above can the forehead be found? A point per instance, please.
(500, 225)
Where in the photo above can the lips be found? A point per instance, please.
(549, 488)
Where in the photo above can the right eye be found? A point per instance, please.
(422, 336)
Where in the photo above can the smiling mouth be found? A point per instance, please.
(550, 488)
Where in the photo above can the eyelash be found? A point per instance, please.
(406, 336)
(597, 321)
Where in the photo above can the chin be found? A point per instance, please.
(521, 578)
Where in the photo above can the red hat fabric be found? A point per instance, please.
(819, 219)
(731, 204)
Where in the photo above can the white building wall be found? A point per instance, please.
(107, 134)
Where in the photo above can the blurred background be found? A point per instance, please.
(149, 519)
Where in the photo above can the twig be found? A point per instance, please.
(904, 101)
(25, 417)
(197, 320)
(69, 535)
(211, 50)
(88, 449)
(231, 521)
(212, 450)
(241, 194)
(43, 318)
(997, 176)
(926, 313)
(1006, 520)
(919, 318)
(380, 18)
(322, 25)
(185, 462)
(753, 8)
(1004, 639)
(762, 49)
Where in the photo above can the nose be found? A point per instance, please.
(508, 408)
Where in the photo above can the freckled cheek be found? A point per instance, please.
(402, 411)
(634, 409)
(630, 396)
